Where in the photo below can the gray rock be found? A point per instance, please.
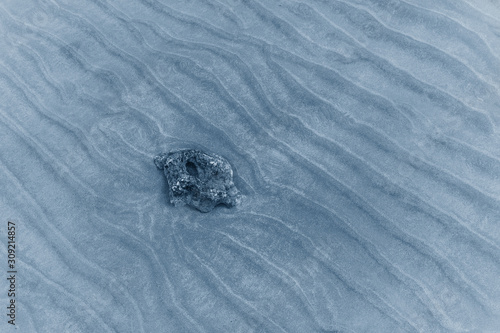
(198, 179)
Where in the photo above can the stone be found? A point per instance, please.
(198, 179)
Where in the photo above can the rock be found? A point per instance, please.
(198, 179)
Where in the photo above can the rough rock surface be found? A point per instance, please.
(198, 179)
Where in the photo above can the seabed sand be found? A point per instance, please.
(363, 135)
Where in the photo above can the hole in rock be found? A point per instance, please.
(191, 169)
